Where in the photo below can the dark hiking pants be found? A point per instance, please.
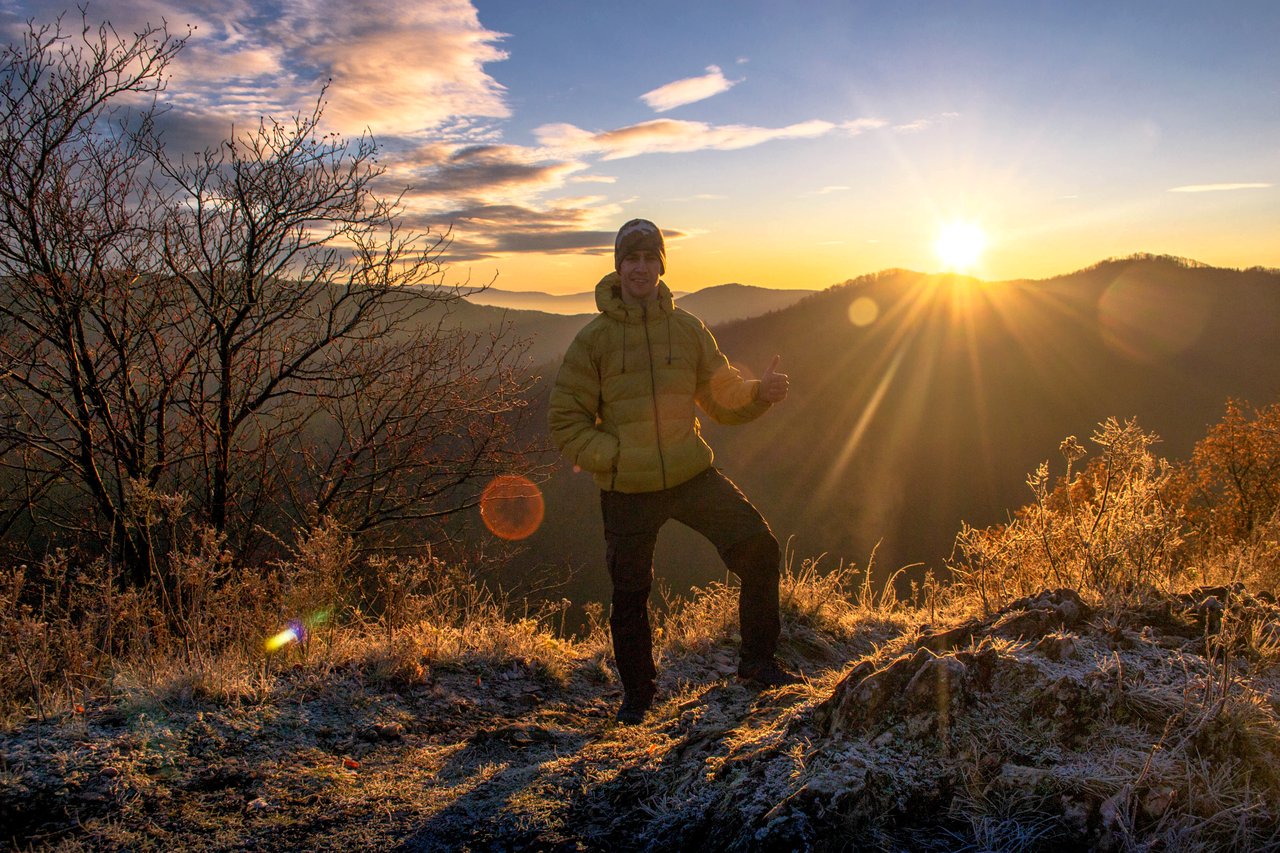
(712, 505)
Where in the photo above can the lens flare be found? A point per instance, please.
(296, 630)
(1149, 319)
(864, 311)
(512, 507)
(284, 638)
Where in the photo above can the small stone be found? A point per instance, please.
(1023, 777)
(1057, 647)
(389, 731)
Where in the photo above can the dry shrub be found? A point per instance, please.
(61, 624)
(217, 607)
(821, 611)
(1105, 530)
(319, 585)
(436, 614)
(1253, 561)
(195, 629)
(595, 648)
(146, 685)
(198, 630)
(401, 660)
(1230, 492)
(401, 589)
(840, 599)
(819, 597)
(1231, 485)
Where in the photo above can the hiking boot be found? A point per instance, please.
(634, 706)
(766, 675)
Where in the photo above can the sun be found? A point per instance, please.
(960, 245)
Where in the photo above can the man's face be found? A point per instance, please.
(639, 272)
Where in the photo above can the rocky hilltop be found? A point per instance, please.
(1050, 724)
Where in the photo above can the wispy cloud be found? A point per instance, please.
(862, 125)
(669, 136)
(835, 188)
(924, 123)
(689, 90)
(1217, 188)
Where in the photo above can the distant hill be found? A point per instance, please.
(919, 401)
(552, 303)
(548, 333)
(715, 305)
(728, 302)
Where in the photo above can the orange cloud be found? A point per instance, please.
(670, 136)
(395, 67)
(423, 71)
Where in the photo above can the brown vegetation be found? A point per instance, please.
(1131, 705)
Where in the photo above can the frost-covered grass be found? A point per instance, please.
(1057, 721)
(1099, 673)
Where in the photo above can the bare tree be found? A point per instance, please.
(409, 435)
(249, 330)
(82, 418)
(327, 383)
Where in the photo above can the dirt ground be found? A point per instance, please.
(1047, 725)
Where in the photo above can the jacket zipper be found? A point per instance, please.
(653, 393)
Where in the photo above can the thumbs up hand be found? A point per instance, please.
(774, 385)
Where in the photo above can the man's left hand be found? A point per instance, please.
(774, 385)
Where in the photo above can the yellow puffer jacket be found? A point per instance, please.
(623, 403)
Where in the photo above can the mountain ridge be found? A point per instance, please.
(719, 303)
(934, 412)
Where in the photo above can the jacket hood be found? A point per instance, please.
(609, 300)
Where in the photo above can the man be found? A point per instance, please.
(623, 409)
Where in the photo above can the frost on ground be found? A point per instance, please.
(1047, 725)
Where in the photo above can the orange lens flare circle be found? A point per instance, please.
(863, 311)
(512, 507)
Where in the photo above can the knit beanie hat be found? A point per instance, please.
(639, 234)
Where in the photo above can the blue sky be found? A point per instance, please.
(778, 144)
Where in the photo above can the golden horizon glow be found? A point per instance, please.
(795, 256)
(960, 245)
